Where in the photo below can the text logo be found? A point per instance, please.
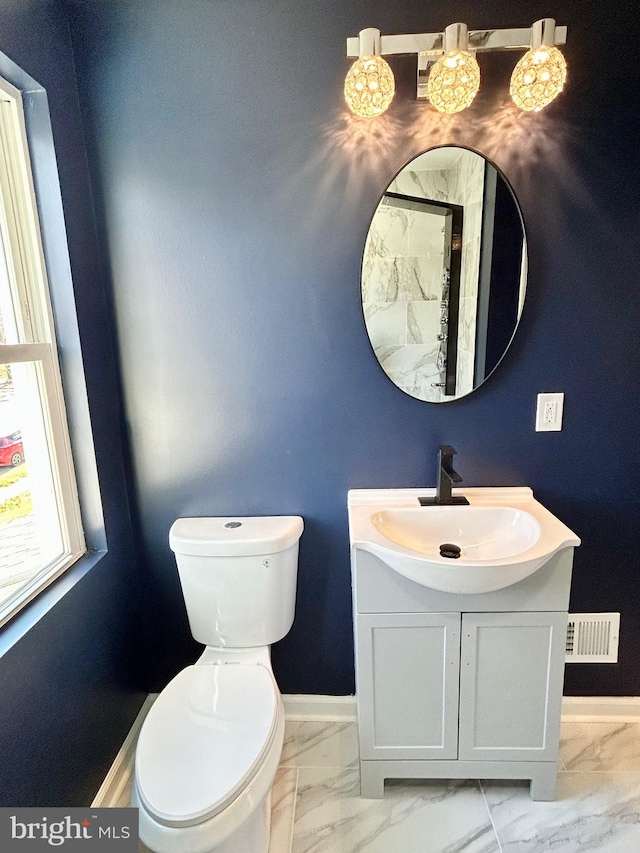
(32, 829)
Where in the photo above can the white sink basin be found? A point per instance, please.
(481, 532)
(504, 535)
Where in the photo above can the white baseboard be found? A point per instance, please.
(601, 709)
(120, 771)
(337, 709)
(578, 709)
(595, 709)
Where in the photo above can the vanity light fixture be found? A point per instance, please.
(448, 73)
(540, 75)
(369, 86)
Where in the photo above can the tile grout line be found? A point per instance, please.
(293, 816)
(611, 772)
(343, 767)
(493, 826)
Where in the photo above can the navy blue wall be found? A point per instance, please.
(235, 194)
(71, 686)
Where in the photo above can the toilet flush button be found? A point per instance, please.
(233, 524)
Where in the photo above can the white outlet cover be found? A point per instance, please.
(556, 424)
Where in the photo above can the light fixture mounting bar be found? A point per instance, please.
(480, 40)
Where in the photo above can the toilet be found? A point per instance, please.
(210, 746)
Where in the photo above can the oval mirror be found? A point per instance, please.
(444, 274)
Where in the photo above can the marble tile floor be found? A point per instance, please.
(317, 807)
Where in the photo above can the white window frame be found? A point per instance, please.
(34, 319)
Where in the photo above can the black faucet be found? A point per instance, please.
(446, 476)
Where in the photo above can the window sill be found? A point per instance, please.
(15, 629)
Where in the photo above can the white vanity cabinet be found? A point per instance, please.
(459, 686)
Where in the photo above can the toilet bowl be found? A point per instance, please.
(206, 759)
(210, 746)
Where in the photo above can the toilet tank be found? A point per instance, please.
(238, 577)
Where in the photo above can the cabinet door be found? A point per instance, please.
(407, 684)
(512, 668)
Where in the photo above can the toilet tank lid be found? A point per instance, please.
(234, 536)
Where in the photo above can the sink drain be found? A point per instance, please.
(451, 551)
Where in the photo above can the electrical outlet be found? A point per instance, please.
(549, 412)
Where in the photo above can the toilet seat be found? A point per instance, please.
(204, 739)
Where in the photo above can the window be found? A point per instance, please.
(40, 526)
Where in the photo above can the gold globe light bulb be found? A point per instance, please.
(453, 82)
(369, 86)
(454, 79)
(541, 73)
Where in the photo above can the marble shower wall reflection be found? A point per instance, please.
(402, 277)
(470, 196)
